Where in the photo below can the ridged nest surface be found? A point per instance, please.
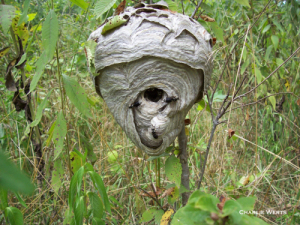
(150, 71)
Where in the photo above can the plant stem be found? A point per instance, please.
(183, 155)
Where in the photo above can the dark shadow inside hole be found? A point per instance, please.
(153, 94)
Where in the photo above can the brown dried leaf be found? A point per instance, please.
(167, 192)
(214, 41)
(207, 18)
(120, 8)
(247, 115)
(230, 133)
(19, 103)
(9, 79)
(151, 193)
(222, 202)
(187, 122)
(214, 216)
(298, 102)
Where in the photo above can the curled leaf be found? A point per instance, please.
(207, 18)
(230, 133)
(116, 21)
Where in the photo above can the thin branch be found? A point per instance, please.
(243, 95)
(155, 199)
(196, 9)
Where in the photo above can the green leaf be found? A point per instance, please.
(11, 178)
(23, 17)
(272, 99)
(79, 210)
(77, 95)
(201, 106)
(59, 134)
(173, 5)
(90, 47)
(97, 221)
(7, 13)
(217, 31)
(247, 203)
(148, 215)
(82, 4)
(208, 203)
(258, 75)
(23, 58)
(230, 207)
(268, 52)
(112, 156)
(266, 28)
(21, 201)
(75, 186)
(173, 170)
(116, 21)
(243, 2)
(14, 215)
(190, 215)
(158, 215)
(40, 109)
(278, 25)
(40, 65)
(31, 16)
(96, 205)
(75, 161)
(275, 41)
(3, 199)
(102, 6)
(50, 34)
(98, 183)
(57, 175)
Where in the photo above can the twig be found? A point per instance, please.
(183, 155)
(155, 199)
(243, 95)
(196, 9)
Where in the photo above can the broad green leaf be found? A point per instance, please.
(75, 186)
(59, 134)
(77, 95)
(173, 5)
(3, 199)
(7, 13)
(217, 31)
(31, 16)
(50, 34)
(272, 99)
(85, 142)
(97, 221)
(275, 41)
(247, 203)
(23, 17)
(148, 215)
(75, 161)
(173, 170)
(50, 133)
(40, 65)
(189, 215)
(230, 207)
(11, 178)
(278, 25)
(96, 205)
(243, 2)
(20, 31)
(98, 183)
(208, 203)
(102, 6)
(82, 4)
(174, 196)
(39, 110)
(79, 210)
(116, 21)
(158, 215)
(258, 75)
(112, 156)
(266, 28)
(57, 175)
(201, 106)
(268, 52)
(14, 215)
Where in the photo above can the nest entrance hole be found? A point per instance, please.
(153, 94)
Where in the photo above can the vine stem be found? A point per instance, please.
(183, 156)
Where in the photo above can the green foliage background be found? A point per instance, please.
(87, 171)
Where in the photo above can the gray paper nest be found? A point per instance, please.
(150, 71)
